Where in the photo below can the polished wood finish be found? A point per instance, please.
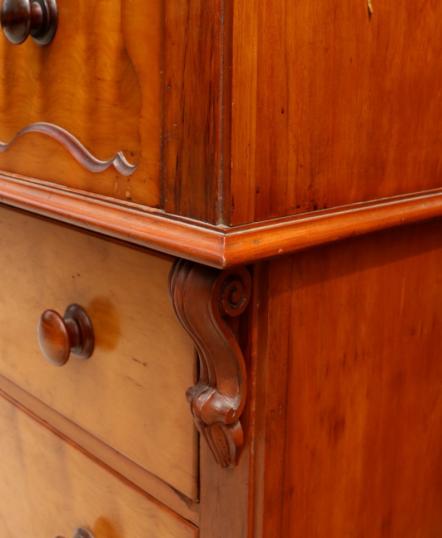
(332, 106)
(224, 114)
(103, 454)
(49, 489)
(308, 311)
(349, 388)
(117, 86)
(204, 300)
(131, 393)
(227, 495)
(283, 236)
(74, 146)
(147, 228)
(95, 83)
(218, 246)
(60, 336)
(196, 98)
(287, 156)
(23, 18)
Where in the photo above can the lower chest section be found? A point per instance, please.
(105, 442)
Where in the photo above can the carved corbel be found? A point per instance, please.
(204, 299)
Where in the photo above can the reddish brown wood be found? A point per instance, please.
(149, 228)
(193, 166)
(274, 238)
(227, 502)
(332, 106)
(227, 133)
(60, 336)
(203, 300)
(349, 412)
(225, 114)
(217, 246)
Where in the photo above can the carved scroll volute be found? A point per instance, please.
(204, 299)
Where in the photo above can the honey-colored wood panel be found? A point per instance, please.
(131, 392)
(333, 106)
(100, 452)
(350, 411)
(48, 489)
(100, 80)
(140, 78)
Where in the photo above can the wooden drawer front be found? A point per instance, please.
(49, 488)
(131, 392)
(99, 81)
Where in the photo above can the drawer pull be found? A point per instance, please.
(81, 533)
(60, 336)
(37, 18)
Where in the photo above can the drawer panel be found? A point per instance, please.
(97, 86)
(131, 392)
(49, 488)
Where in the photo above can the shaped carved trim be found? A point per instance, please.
(75, 148)
(204, 299)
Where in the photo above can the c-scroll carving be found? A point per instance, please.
(204, 299)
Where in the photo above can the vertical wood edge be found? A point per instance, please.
(195, 40)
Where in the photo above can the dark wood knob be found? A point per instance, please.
(60, 336)
(81, 533)
(37, 18)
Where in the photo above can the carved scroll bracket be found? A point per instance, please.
(204, 299)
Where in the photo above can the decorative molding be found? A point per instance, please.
(204, 299)
(217, 246)
(75, 148)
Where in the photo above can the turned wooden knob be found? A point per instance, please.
(81, 533)
(23, 18)
(60, 336)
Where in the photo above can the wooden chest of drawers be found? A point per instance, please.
(221, 269)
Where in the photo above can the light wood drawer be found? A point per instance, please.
(97, 88)
(49, 488)
(131, 392)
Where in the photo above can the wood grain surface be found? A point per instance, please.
(196, 107)
(349, 388)
(231, 113)
(95, 81)
(121, 77)
(218, 246)
(331, 105)
(101, 453)
(131, 393)
(48, 489)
